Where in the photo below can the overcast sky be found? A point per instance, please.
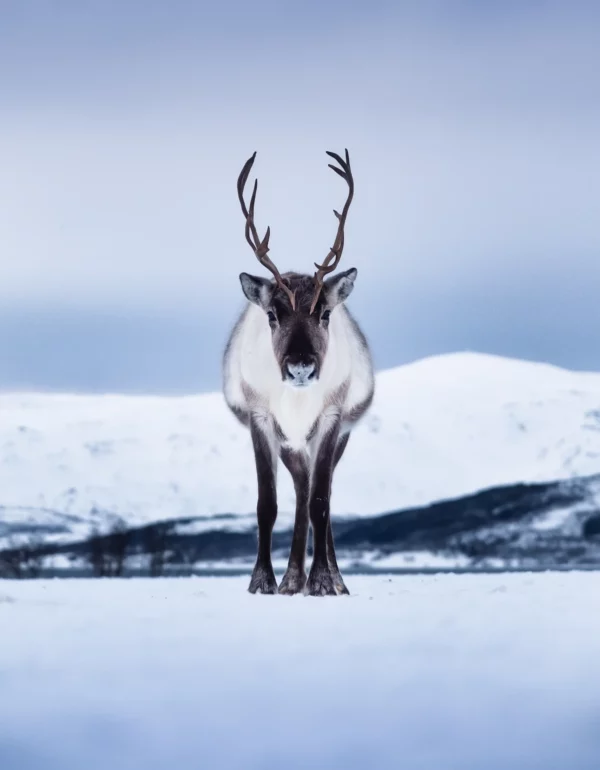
(474, 133)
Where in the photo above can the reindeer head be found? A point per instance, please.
(298, 307)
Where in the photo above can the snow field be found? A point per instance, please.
(459, 672)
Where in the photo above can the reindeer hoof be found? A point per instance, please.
(340, 586)
(293, 582)
(320, 583)
(263, 581)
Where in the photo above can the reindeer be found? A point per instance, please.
(297, 372)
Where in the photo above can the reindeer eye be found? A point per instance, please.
(272, 317)
(325, 316)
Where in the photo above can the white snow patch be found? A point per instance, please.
(410, 560)
(554, 519)
(229, 524)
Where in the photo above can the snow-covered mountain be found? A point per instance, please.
(439, 428)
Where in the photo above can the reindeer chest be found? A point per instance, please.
(295, 416)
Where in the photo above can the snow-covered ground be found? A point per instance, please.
(439, 428)
(425, 673)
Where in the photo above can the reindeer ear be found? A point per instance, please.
(339, 287)
(257, 290)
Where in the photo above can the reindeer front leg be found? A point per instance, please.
(263, 578)
(321, 578)
(297, 464)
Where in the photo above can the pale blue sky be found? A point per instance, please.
(474, 130)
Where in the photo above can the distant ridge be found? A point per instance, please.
(442, 427)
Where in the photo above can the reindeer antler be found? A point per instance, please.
(260, 248)
(336, 250)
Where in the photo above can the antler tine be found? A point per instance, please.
(242, 179)
(335, 253)
(258, 246)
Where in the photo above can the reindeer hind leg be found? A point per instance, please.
(338, 581)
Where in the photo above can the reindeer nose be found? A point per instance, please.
(303, 371)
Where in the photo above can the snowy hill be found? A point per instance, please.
(439, 428)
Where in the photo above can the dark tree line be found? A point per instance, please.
(23, 558)
(154, 543)
(107, 554)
